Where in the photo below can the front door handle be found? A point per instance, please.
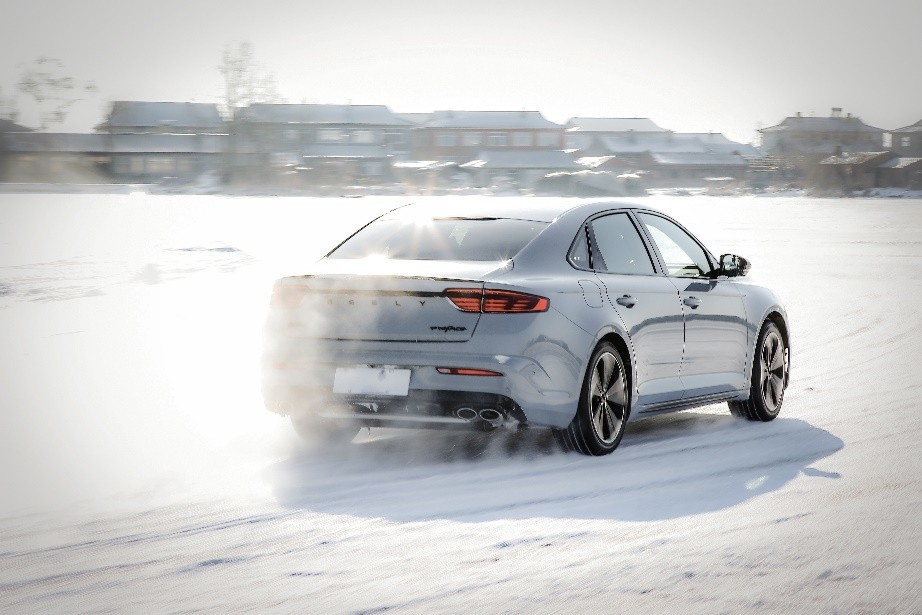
(692, 302)
(627, 301)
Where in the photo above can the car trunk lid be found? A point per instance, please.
(352, 300)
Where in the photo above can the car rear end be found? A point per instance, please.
(421, 342)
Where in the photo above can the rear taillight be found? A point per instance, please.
(466, 371)
(465, 299)
(493, 301)
(287, 295)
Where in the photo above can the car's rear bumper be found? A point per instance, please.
(526, 391)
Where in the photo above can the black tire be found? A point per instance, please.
(323, 432)
(603, 408)
(769, 377)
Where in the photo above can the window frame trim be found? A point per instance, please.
(658, 269)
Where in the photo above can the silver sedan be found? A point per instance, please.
(578, 317)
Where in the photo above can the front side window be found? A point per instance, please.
(683, 256)
(617, 246)
(444, 239)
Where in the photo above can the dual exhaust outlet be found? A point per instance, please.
(488, 417)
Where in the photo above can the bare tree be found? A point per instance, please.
(244, 81)
(52, 91)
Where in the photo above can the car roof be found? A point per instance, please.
(541, 210)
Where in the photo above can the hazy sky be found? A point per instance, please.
(726, 66)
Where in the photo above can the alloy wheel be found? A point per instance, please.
(607, 397)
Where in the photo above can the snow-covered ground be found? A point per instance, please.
(140, 473)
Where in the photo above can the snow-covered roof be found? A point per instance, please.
(638, 144)
(415, 118)
(370, 115)
(523, 159)
(490, 119)
(900, 163)
(681, 142)
(132, 113)
(699, 159)
(822, 124)
(716, 142)
(917, 127)
(612, 124)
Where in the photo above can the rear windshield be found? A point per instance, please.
(449, 239)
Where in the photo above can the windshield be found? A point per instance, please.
(450, 239)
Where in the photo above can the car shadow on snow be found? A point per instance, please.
(666, 467)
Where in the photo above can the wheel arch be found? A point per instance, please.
(776, 316)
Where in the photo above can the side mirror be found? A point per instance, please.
(733, 266)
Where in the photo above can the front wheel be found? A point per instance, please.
(769, 377)
(602, 413)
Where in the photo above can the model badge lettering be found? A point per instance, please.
(448, 328)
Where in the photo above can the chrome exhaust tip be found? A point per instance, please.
(467, 414)
(491, 418)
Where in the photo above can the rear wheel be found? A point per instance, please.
(602, 413)
(769, 377)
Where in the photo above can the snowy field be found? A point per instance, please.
(139, 471)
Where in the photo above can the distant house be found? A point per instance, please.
(818, 137)
(41, 157)
(98, 158)
(671, 159)
(693, 169)
(582, 132)
(907, 141)
(152, 142)
(462, 136)
(900, 172)
(313, 143)
(517, 168)
(142, 117)
(849, 171)
(8, 158)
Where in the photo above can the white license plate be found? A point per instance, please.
(371, 381)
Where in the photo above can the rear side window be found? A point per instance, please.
(617, 246)
(449, 239)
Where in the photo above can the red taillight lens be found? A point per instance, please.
(287, 295)
(492, 301)
(465, 299)
(510, 302)
(466, 371)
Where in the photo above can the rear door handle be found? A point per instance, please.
(692, 302)
(627, 301)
